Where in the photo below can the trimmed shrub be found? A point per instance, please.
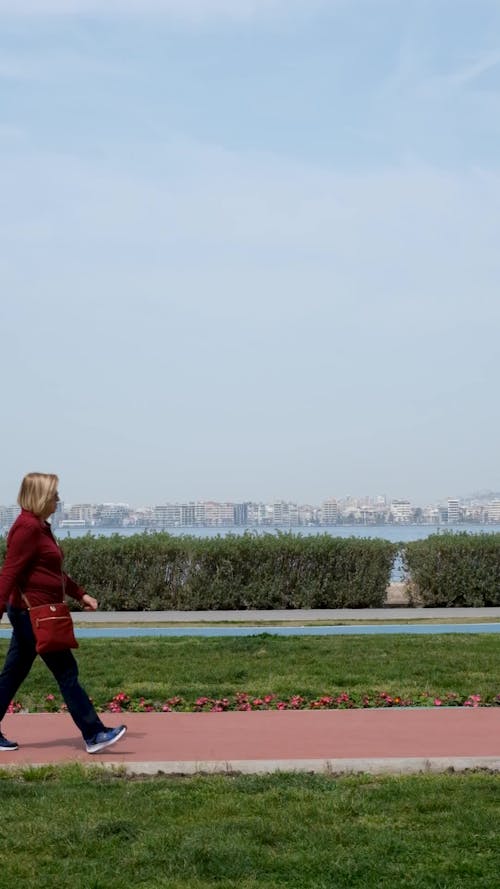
(454, 569)
(268, 571)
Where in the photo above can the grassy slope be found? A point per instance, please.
(301, 831)
(161, 668)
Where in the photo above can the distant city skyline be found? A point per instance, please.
(279, 513)
(249, 248)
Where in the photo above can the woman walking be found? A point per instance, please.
(33, 568)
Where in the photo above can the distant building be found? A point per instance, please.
(430, 515)
(493, 511)
(189, 514)
(453, 511)
(308, 515)
(82, 512)
(240, 513)
(218, 514)
(401, 511)
(112, 515)
(8, 515)
(259, 514)
(329, 512)
(143, 517)
(369, 514)
(167, 515)
(178, 515)
(285, 513)
(72, 523)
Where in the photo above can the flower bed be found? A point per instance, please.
(245, 702)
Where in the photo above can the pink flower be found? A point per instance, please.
(296, 702)
(473, 701)
(202, 701)
(174, 702)
(243, 702)
(223, 703)
(14, 707)
(385, 699)
(113, 707)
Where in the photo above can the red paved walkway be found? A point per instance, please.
(334, 740)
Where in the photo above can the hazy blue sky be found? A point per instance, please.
(250, 248)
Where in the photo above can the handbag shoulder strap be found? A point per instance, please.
(26, 600)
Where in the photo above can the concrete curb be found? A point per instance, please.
(376, 766)
(371, 615)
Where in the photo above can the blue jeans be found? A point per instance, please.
(62, 665)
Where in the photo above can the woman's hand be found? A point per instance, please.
(89, 603)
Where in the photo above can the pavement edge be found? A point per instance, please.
(371, 766)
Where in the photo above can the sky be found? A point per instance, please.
(249, 248)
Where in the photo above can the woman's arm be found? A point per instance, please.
(22, 549)
(76, 592)
(71, 588)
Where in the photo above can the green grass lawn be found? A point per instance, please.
(71, 829)
(309, 666)
(76, 828)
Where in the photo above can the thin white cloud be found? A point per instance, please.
(472, 71)
(191, 10)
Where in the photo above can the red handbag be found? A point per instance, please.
(52, 626)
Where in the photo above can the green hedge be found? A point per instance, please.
(162, 572)
(149, 572)
(453, 570)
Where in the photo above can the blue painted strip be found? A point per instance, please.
(364, 630)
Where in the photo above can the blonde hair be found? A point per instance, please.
(36, 491)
